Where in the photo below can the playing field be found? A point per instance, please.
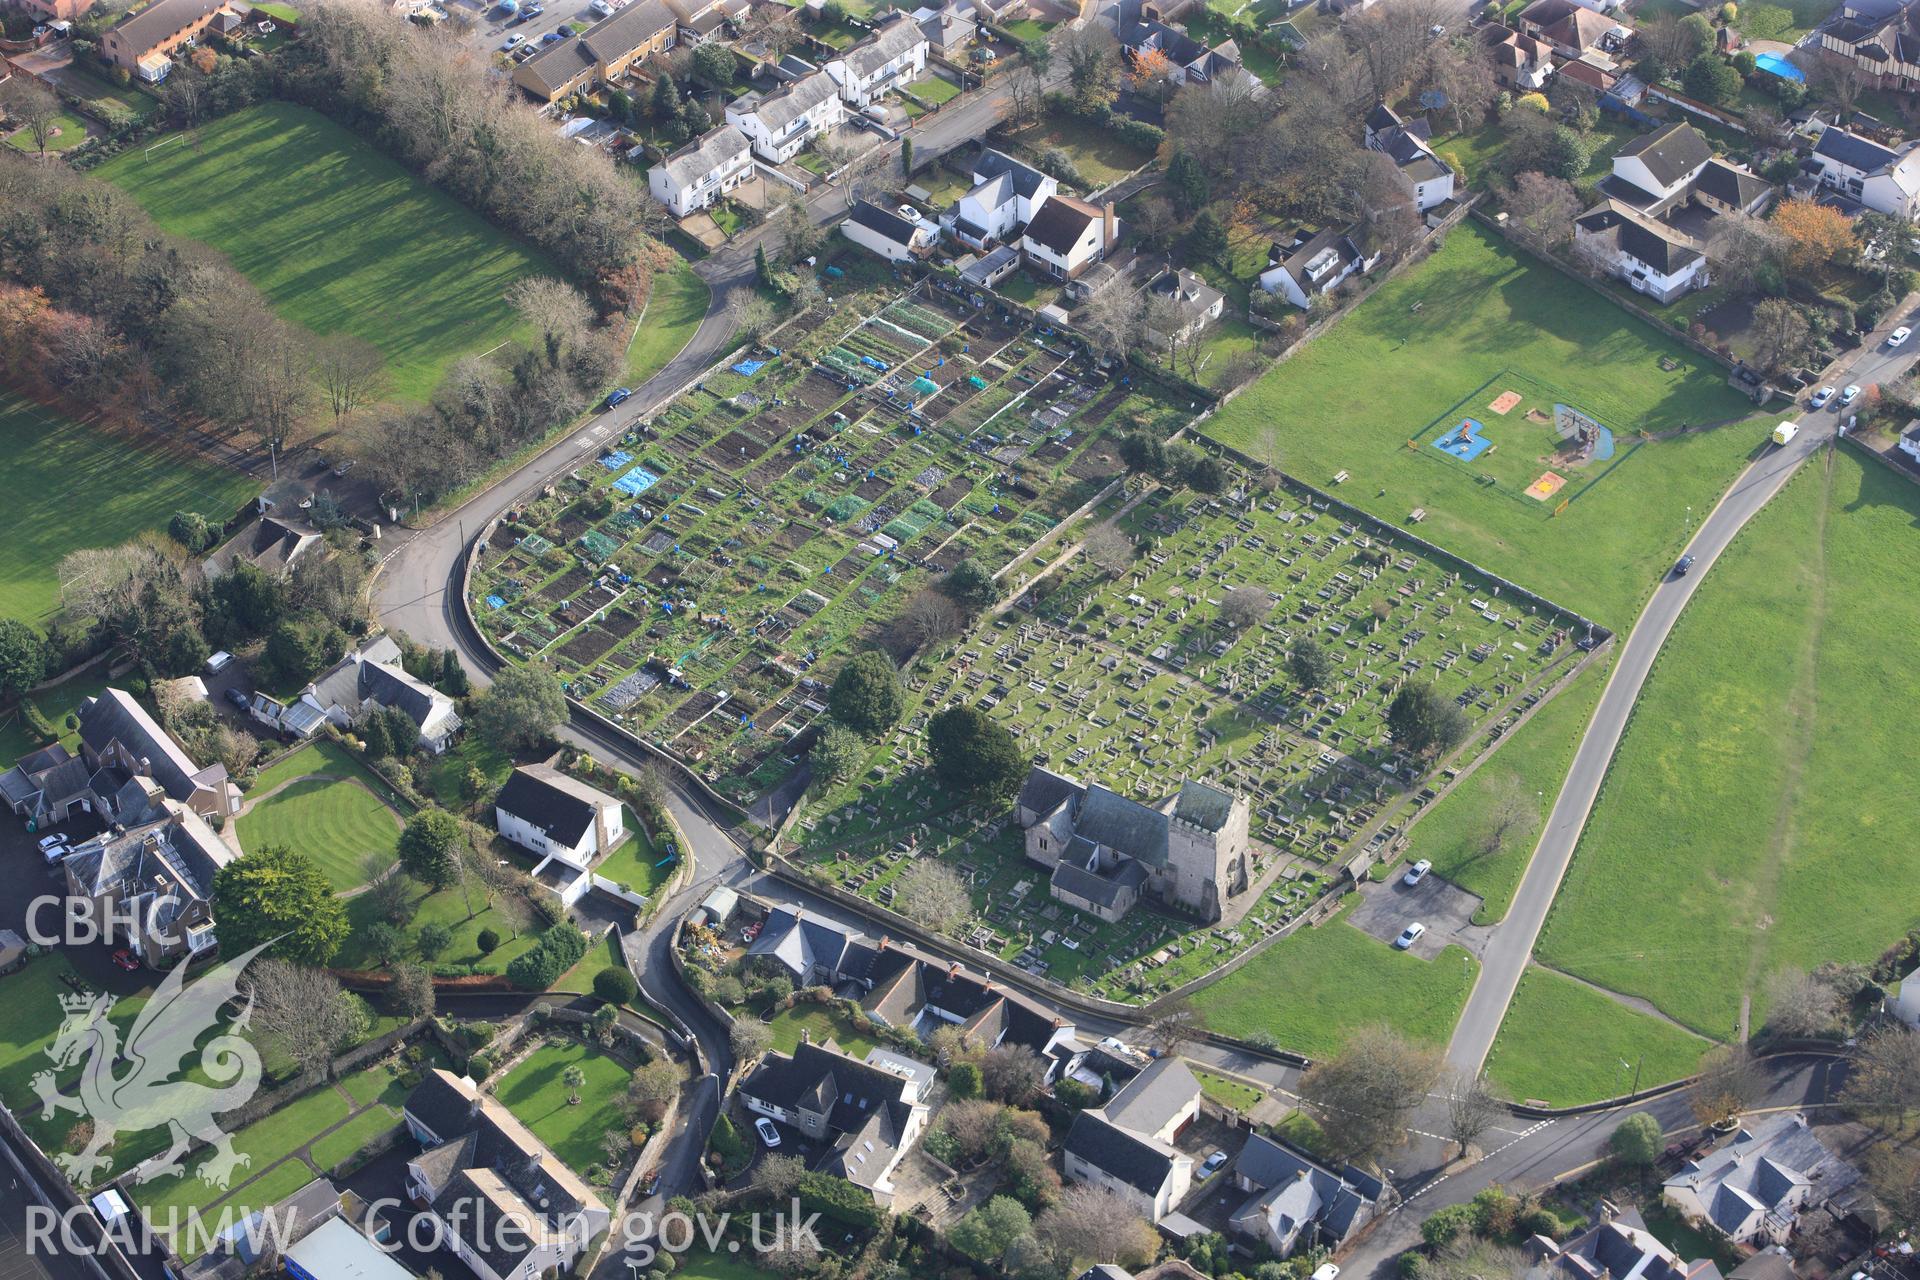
(1427, 345)
(1564, 1043)
(339, 237)
(1757, 815)
(69, 486)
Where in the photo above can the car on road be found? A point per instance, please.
(123, 960)
(1417, 872)
(513, 42)
(1409, 935)
(1850, 394)
(618, 396)
(1681, 566)
(1820, 398)
(1211, 1165)
(239, 699)
(768, 1134)
(600, 8)
(1899, 336)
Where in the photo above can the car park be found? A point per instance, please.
(1417, 872)
(1409, 935)
(768, 1134)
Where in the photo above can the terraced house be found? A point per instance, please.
(601, 54)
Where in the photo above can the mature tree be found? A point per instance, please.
(975, 755)
(1364, 1095)
(1311, 664)
(983, 1233)
(1780, 332)
(520, 710)
(836, 753)
(1638, 1140)
(928, 617)
(1391, 41)
(23, 657)
(800, 237)
(32, 106)
(1109, 549)
(1089, 1225)
(1187, 180)
(866, 695)
(351, 372)
(301, 1011)
(1841, 80)
(1423, 720)
(1473, 1107)
(757, 316)
(384, 942)
(1013, 1074)
(1816, 234)
(1211, 127)
(1461, 71)
(1092, 58)
(411, 991)
(1246, 606)
(1801, 1006)
(433, 939)
(1511, 814)
(750, 1038)
(776, 1176)
(1884, 1087)
(555, 311)
(1730, 1081)
(1176, 1022)
(651, 1087)
(278, 895)
(1207, 237)
(1113, 322)
(1748, 253)
(932, 895)
(1541, 210)
(1025, 92)
(972, 586)
(1671, 42)
(430, 847)
(1712, 79)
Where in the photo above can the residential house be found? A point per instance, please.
(1105, 849)
(1315, 264)
(1066, 236)
(1753, 1189)
(863, 1115)
(885, 232)
(601, 54)
(1536, 18)
(1617, 1247)
(1585, 33)
(702, 171)
(702, 20)
(51, 11)
(895, 55)
(141, 44)
(551, 814)
(270, 543)
(1127, 1146)
(1425, 176)
(1146, 39)
(781, 123)
(1648, 255)
(1165, 1269)
(126, 762)
(1882, 37)
(369, 677)
(1522, 63)
(506, 1205)
(1196, 303)
(1294, 1201)
(152, 879)
(948, 29)
(1882, 179)
(1006, 193)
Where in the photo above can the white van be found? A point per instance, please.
(1785, 432)
(219, 662)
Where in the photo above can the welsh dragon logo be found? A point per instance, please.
(133, 1087)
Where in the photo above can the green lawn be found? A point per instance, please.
(1352, 400)
(264, 1141)
(632, 864)
(70, 486)
(1785, 21)
(1100, 156)
(821, 1024)
(1310, 990)
(448, 907)
(108, 100)
(1564, 1043)
(717, 1266)
(321, 757)
(934, 90)
(535, 1092)
(674, 310)
(446, 776)
(278, 11)
(340, 1146)
(336, 823)
(1756, 816)
(68, 131)
(1533, 761)
(339, 237)
(1239, 1096)
(1303, 1131)
(55, 704)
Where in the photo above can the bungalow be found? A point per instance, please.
(1314, 265)
(506, 1205)
(894, 55)
(141, 42)
(1649, 256)
(369, 677)
(781, 123)
(127, 763)
(702, 171)
(1882, 179)
(1127, 1145)
(885, 232)
(548, 813)
(948, 29)
(1066, 236)
(601, 54)
(273, 544)
(1537, 18)
(1583, 32)
(1424, 175)
(1753, 1189)
(1005, 195)
(1197, 304)
(865, 1114)
(1296, 1202)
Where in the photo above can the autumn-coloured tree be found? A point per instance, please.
(204, 60)
(1152, 71)
(1815, 233)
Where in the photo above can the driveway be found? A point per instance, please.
(1444, 907)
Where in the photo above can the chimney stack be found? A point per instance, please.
(1110, 225)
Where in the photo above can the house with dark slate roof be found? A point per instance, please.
(152, 881)
(1105, 850)
(1881, 178)
(861, 1116)
(1293, 1201)
(1409, 145)
(1753, 1189)
(369, 677)
(602, 53)
(1006, 193)
(127, 762)
(1127, 1146)
(548, 813)
(507, 1206)
(1617, 1247)
(1881, 37)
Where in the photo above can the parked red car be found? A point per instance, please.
(123, 960)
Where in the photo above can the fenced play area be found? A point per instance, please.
(1524, 438)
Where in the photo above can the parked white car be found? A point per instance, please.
(1410, 935)
(1899, 336)
(1417, 872)
(768, 1134)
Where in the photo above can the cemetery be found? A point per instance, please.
(699, 578)
(1140, 679)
